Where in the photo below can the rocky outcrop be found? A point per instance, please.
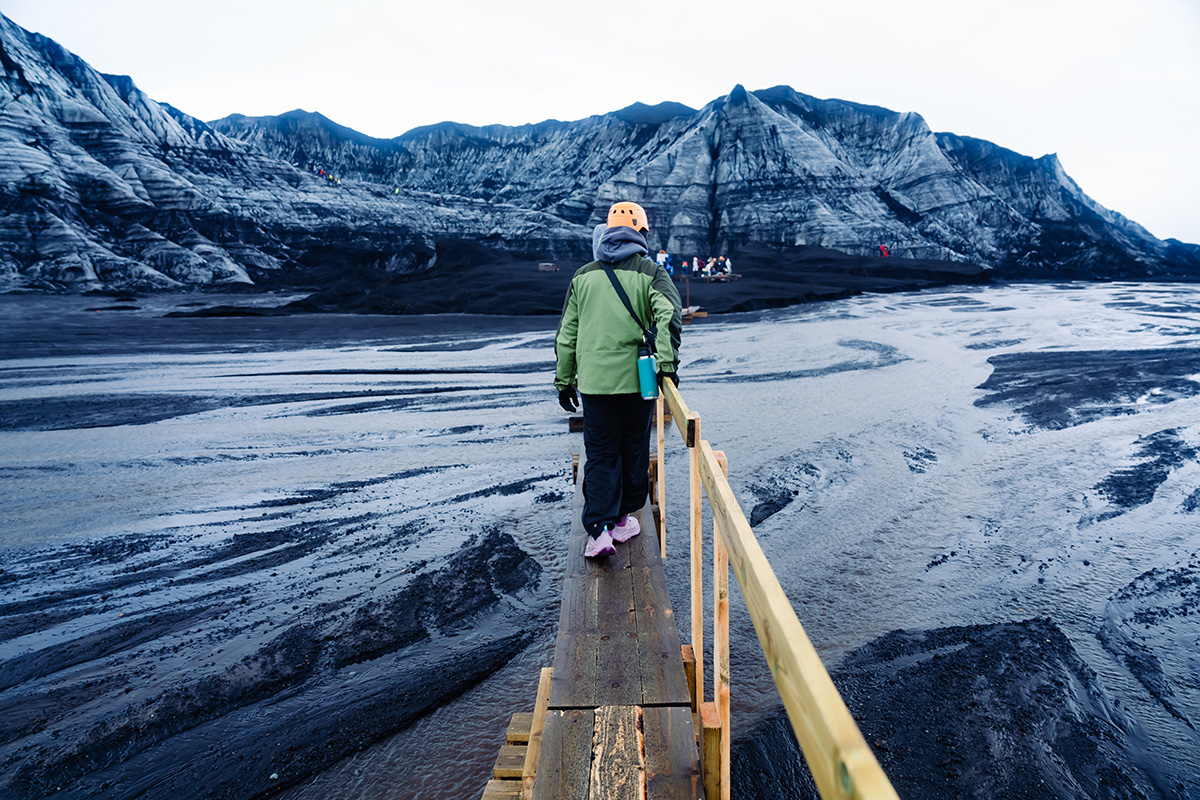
(100, 186)
(773, 167)
(103, 187)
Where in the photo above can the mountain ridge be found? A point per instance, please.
(104, 188)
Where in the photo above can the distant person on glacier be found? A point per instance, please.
(597, 349)
(883, 251)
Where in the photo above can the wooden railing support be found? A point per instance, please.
(711, 747)
(535, 732)
(842, 765)
(688, 423)
(721, 638)
(697, 571)
(659, 407)
(689, 672)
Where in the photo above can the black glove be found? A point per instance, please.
(568, 400)
(673, 377)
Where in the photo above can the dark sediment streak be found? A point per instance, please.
(1151, 626)
(328, 681)
(996, 711)
(1063, 388)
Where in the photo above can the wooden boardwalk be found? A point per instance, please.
(616, 716)
(620, 722)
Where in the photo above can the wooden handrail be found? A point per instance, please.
(841, 763)
(686, 420)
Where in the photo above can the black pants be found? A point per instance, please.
(616, 436)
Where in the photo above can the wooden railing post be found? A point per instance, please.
(710, 752)
(697, 572)
(534, 748)
(721, 637)
(688, 423)
(662, 481)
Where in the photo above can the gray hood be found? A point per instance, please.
(618, 244)
(597, 232)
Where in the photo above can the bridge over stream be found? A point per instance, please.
(621, 714)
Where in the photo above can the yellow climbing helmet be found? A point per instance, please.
(629, 215)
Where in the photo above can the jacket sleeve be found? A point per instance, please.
(564, 341)
(668, 316)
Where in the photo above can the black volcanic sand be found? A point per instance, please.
(300, 686)
(1007, 710)
(1152, 627)
(470, 278)
(1058, 389)
(1004, 710)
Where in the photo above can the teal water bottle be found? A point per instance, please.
(647, 373)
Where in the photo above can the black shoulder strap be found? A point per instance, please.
(648, 335)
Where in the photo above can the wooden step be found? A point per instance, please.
(502, 790)
(510, 763)
(518, 728)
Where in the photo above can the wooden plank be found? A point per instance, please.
(537, 728)
(710, 749)
(618, 769)
(579, 607)
(841, 763)
(596, 669)
(575, 424)
(596, 620)
(618, 679)
(642, 550)
(518, 728)
(502, 790)
(721, 639)
(510, 763)
(576, 663)
(663, 679)
(598, 595)
(672, 760)
(564, 764)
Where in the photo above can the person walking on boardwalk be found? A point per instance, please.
(597, 349)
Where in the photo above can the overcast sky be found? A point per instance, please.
(1112, 86)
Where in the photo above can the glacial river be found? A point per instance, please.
(318, 556)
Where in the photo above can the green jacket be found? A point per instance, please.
(598, 340)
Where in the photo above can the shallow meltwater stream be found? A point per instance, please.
(319, 556)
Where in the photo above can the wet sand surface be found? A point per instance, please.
(317, 555)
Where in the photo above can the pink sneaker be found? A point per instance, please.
(627, 528)
(601, 545)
